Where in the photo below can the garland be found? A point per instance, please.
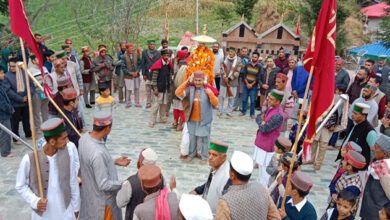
(201, 59)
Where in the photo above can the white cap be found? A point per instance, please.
(193, 207)
(242, 163)
(149, 156)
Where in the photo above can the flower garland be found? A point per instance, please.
(201, 59)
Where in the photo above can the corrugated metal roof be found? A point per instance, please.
(373, 50)
(375, 11)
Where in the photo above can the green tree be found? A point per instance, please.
(309, 10)
(245, 7)
(384, 32)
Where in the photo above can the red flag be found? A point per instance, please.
(166, 26)
(21, 27)
(298, 25)
(320, 55)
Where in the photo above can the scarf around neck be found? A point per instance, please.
(162, 206)
(20, 87)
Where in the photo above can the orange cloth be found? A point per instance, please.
(108, 214)
(181, 91)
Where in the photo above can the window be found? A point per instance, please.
(280, 33)
(238, 51)
(242, 30)
(258, 45)
(296, 50)
(266, 51)
(224, 35)
(272, 52)
(250, 51)
(262, 51)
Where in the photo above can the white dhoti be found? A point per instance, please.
(262, 158)
(185, 140)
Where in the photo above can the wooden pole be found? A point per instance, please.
(294, 148)
(32, 127)
(51, 100)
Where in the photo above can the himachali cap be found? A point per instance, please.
(232, 48)
(64, 46)
(32, 56)
(194, 207)
(282, 76)
(63, 81)
(301, 181)
(128, 46)
(53, 126)
(103, 117)
(292, 57)
(151, 41)
(355, 159)
(283, 143)
(384, 143)
(147, 156)
(218, 146)
(371, 87)
(181, 54)
(340, 61)
(60, 54)
(286, 159)
(101, 48)
(361, 108)
(164, 51)
(199, 74)
(150, 175)
(362, 67)
(242, 163)
(69, 94)
(270, 57)
(277, 94)
(382, 57)
(352, 146)
(122, 42)
(85, 48)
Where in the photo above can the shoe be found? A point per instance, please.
(138, 105)
(203, 162)
(317, 167)
(183, 156)
(11, 155)
(189, 159)
(127, 106)
(241, 114)
(17, 143)
(253, 116)
(229, 115)
(174, 124)
(308, 162)
(121, 101)
(29, 138)
(88, 106)
(92, 103)
(148, 106)
(198, 156)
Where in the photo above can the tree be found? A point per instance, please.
(309, 10)
(384, 33)
(245, 7)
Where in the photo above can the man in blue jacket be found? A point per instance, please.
(16, 89)
(6, 110)
(299, 81)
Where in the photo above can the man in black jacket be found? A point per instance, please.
(149, 57)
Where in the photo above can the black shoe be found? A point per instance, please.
(92, 103)
(88, 106)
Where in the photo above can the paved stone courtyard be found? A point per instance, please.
(130, 134)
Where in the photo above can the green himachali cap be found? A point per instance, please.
(165, 51)
(277, 94)
(269, 57)
(232, 48)
(218, 146)
(283, 143)
(64, 47)
(53, 126)
(361, 108)
(60, 54)
(151, 41)
(382, 57)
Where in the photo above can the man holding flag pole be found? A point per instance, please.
(320, 60)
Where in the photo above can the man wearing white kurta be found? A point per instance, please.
(59, 159)
(218, 181)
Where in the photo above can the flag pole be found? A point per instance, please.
(32, 127)
(294, 148)
(51, 100)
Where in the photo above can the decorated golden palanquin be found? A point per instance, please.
(202, 58)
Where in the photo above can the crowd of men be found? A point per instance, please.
(79, 176)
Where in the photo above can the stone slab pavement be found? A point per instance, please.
(130, 134)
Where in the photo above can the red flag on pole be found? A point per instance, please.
(21, 27)
(320, 57)
(166, 26)
(298, 25)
